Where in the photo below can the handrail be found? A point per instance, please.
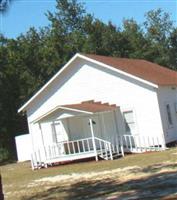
(105, 148)
(66, 141)
(102, 140)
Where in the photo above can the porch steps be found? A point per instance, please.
(107, 155)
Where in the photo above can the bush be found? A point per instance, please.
(4, 154)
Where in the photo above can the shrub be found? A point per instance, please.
(4, 154)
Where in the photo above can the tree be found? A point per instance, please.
(158, 27)
(173, 49)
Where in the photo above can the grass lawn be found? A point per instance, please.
(142, 176)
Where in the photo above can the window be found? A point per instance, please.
(129, 121)
(169, 117)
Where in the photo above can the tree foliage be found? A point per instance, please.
(28, 61)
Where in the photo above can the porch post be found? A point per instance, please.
(42, 140)
(93, 139)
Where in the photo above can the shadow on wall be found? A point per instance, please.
(159, 186)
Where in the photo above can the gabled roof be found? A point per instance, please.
(140, 69)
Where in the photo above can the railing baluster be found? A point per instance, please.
(153, 143)
(110, 151)
(135, 142)
(73, 147)
(83, 146)
(62, 147)
(139, 139)
(130, 142)
(122, 146)
(69, 152)
(117, 145)
(144, 143)
(100, 145)
(149, 145)
(126, 141)
(54, 150)
(158, 144)
(105, 146)
(78, 146)
(35, 157)
(32, 162)
(39, 155)
(49, 156)
(88, 144)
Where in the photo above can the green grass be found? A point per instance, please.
(16, 177)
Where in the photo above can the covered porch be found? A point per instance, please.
(86, 130)
(78, 131)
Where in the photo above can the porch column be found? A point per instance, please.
(93, 139)
(42, 138)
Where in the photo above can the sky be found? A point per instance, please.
(23, 14)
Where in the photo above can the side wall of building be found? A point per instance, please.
(168, 96)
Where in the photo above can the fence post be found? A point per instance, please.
(1, 191)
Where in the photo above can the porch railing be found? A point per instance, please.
(94, 146)
(103, 148)
(69, 148)
(137, 143)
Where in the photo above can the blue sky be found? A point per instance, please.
(23, 14)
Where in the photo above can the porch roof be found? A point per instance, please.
(91, 106)
(87, 107)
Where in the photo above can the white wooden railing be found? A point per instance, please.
(69, 148)
(95, 146)
(137, 143)
(103, 148)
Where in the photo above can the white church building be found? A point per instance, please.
(98, 106)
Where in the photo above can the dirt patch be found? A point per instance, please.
(158, 181)
(127, 171)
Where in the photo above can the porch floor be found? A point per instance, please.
(71, 157)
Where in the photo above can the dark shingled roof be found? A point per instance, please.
(140, 68)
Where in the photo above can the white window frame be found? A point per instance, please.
(134, 121)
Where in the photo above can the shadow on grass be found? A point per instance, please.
(158, 186)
